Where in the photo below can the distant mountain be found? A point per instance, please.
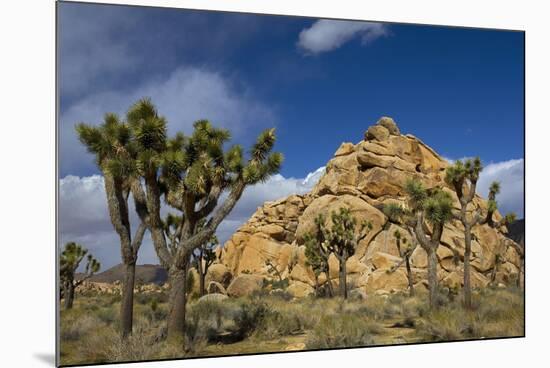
(144, 273)
(516, 231)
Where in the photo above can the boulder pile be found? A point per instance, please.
(363, 177)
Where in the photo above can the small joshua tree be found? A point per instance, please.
(405, 253)
(317, 253)
(70, 259)
(402, 216)
(433, 207)
(205, 256)
(273, 270)
(343, 241)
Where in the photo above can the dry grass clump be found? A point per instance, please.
(495, 313)
(339, 331)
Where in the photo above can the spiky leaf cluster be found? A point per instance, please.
(417, 194)
(316, 250)
(438, 207)
(70, 260)
(461, 173)
(112, 144)
(341, 237)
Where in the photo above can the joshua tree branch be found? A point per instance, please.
(202, 236)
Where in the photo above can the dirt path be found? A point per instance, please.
(391, 334)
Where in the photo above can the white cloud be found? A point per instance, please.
(188, 94)
(510, 174)
(83, 215)
(327, 35)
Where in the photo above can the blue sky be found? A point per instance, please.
(319, 83)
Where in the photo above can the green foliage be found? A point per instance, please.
(458, 173)
(112, 145)
(316, 251)
(250, 316)
(394, 211)
(494, 189)
(438, 207)
(417, 194)
(509, 218)
(70, 260)
(341, 236)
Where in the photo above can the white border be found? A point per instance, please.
(27, 181)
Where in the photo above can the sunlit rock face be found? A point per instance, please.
(364, 177)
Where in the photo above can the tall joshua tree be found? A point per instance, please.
(463, 177)
(115, 153)
(70, 259)
(190, 174)
(433, 207)
(317, 252)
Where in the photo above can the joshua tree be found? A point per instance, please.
(463, 177)
(70, 259)
(340, 239)
(191, 173)
(272, 269)
(317, 253)
(435, 208)
(405, 255)
(204, 256)
(399, 214)
(115, 153)
(343, 241)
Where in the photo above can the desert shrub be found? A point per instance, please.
(414, 307)
(373, 308)
(446, 323)
(495, 313)
(142, 298)
(339, 331)
(282, 323)
(108, 315)
(250, 316)
(144, 343)
(74, 327)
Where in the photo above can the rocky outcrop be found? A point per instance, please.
(364, 177)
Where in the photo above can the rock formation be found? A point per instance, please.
(364, 177)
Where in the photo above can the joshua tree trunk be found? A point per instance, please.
(329, 285)
(494, 271)
(409, 275)
(69, 294)
(432, 276)
(467, 253)
(342, 282)
(127, 303)
(202, 276)
(178, 300)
